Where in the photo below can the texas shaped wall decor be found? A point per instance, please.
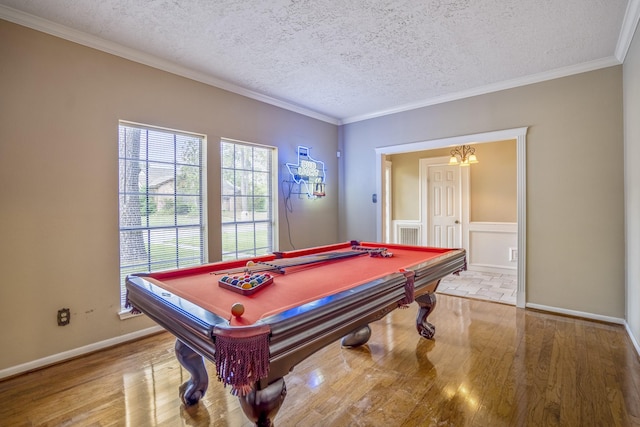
(309, 173)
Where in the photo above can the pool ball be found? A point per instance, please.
(237, 309)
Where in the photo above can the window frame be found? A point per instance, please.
(145, 191)
(273, 198)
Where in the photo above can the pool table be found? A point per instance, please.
(306, 300)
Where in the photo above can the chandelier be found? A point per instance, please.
(463, 155)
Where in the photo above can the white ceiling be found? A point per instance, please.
(348, 60)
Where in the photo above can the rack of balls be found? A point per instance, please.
(246, 284)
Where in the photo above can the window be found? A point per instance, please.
(162, 202)
(248, 199)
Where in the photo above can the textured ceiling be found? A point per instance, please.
(352, 59)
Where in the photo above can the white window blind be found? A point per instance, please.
(248, 199)
(161, 199)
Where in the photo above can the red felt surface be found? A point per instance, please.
(297, 286)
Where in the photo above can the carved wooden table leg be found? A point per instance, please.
(427, 303)
(262, 405)
(193, 390)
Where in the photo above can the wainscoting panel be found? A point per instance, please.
(493, 247)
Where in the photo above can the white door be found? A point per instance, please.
(444, 207)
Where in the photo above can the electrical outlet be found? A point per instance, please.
(64, 317)
(513, 254)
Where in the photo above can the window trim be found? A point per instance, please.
(125, 313)
(275, 239)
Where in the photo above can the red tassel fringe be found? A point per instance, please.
(242, 361)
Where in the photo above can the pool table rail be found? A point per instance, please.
(190, 323)
(298, 333)
(295, 334)
(431, 271)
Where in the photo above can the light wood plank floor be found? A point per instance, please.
(489, 365)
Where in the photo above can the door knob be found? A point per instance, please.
(457, 222)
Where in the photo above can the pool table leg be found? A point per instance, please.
(194, 389)
(358, 337)
(427, 303)
(262, 404)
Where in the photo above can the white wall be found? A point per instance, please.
(631, 73)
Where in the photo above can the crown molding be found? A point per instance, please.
(85, 39)
(482, 90)
(629, 25)
(630, 22)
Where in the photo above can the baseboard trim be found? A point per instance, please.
(574, 313)
(589, 316)
(80, 351)
(633, 339)
(485, 268)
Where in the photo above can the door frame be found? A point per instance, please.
(386, 203)
(520, 135)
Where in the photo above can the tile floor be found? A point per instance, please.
(480, 285)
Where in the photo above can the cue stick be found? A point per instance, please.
(278, 265)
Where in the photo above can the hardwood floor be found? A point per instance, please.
(489, 365)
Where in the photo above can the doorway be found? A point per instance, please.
(443, 192)
(517, 134)
(487, 224)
